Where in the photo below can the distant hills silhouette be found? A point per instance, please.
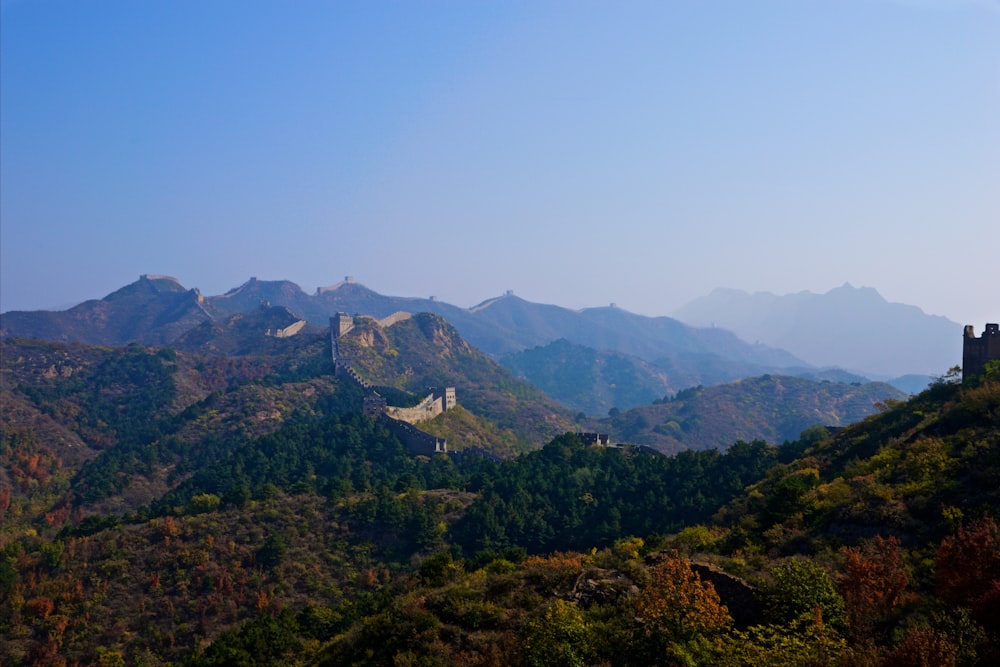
(851, 327)
(803, 334)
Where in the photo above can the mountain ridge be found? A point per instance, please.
(849, 328)
(508, 324)
(854, 328)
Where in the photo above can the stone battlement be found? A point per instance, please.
(417, 441)
(288, 331)
(400, 316)
(436, 402)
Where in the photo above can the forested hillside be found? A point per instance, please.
(591, 381)
(770, 407)
(426, 351)
(166, 507)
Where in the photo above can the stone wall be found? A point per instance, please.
(429, 408)
(436, 402)
(340, 324)
(395, 318)
(414, 439)
(288, 331)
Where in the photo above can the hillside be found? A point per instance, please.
(771, 408)
(595, 381)
(871, 546)
(854, 328)
(260, 330)
(426, 351)
(915, 471)
(588, 380)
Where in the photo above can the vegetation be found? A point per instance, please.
(770, 407)
(426, 351)
(590, 381)
(162, 507)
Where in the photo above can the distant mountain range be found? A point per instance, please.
(850, 327)
(595, 381)
(620, 356)
(157, 310)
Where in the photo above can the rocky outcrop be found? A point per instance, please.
(738, 595)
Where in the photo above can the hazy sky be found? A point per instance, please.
(579, 153)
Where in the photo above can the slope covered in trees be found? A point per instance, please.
(772, 408)
(426, 351)
(165, 507)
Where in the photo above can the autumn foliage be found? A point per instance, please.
(677, 602)
(968, 571)
(873, 582)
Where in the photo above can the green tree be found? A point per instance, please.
(802, 590)
(560, 638)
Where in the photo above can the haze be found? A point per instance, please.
(577, 153)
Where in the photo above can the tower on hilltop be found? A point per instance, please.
(976, 352)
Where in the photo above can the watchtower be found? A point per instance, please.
(446, 396)
(340, 324)
(976, 352)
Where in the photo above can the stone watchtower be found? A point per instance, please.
(976, 352)
(340, 324)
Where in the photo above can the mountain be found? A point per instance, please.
(588, 380)
(771, 408)
(153, 311)
(158, 310)
(849, 327)
(133, 423)
(414, 353)
(595, 381)
(508, 324)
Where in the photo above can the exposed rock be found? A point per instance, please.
(601, 587)
(738, 595)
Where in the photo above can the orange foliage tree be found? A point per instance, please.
(677, 603)
(968, 571)
(872, 583)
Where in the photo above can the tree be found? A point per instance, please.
(873, 582)
(803, 590)
(560, 637)
(968, 571)
(677, 603)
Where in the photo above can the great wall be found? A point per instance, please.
(401, 421)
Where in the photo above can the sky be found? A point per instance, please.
(578, 153)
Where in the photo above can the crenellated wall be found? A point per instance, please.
(436, 402)
(288, 331)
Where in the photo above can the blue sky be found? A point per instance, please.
(579, 153)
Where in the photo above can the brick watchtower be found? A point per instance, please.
(976, 352)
